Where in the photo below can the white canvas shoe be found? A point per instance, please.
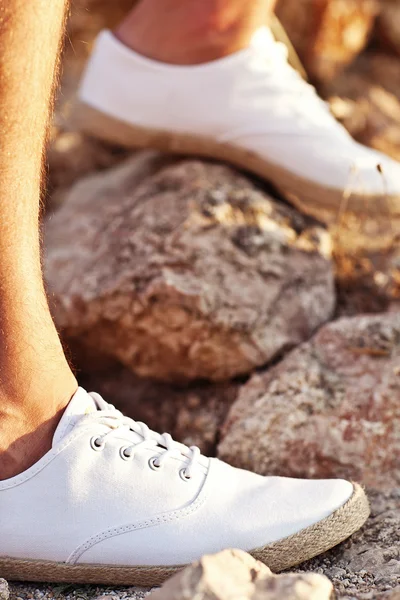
(250, 108)
(114, 502)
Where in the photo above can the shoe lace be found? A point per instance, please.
(165, 445)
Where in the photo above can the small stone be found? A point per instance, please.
(233, 574)
(4, 591)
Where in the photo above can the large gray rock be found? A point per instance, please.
(330, 408)
(185, 271)
(235, 575)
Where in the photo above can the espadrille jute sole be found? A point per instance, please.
(278, 556)
(323, 203)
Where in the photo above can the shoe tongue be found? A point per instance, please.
(81, 404)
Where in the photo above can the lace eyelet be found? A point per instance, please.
(123, 453)
(153, 464)
(182, 475)
(96, 443)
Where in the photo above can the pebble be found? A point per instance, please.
(4, 591)
(27, 591)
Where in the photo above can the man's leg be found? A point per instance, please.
(35, 380)
(192, 32)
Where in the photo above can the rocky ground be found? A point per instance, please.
(229, 319)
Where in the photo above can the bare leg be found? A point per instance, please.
(192, 31)
(35, 379)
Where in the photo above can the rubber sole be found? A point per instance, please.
(323, 203)
(279, 556)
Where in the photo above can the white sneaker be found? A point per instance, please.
(113, 502)
(251, 109)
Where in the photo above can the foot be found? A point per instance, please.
(114, 502)
(250, 108)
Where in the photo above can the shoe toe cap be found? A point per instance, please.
(329, 495)
(302, 503)
(267, 509)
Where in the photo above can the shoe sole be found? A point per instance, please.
(323, 203)
(279, 556)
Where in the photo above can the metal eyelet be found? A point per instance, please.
(123, 453)
(96, 443)
(182, 475)
(153, 464)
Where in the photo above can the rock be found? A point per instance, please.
(372, 119)
(367, 261)
(89, 16)
(86, 19)
(71, 156)
(372, 67)
(235, 574)
(388, 26)
(371, 108)
(391, 595)
(295, 586)
(327, 34)
(331, 408)
(185, 271)
(228, 574)
(365, 98)
(368, 564)
(367, 282)
(4, 591)
(192, 414)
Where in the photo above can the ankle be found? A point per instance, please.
(27, 428)
(191, 32)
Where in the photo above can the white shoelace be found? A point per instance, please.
(166, 446)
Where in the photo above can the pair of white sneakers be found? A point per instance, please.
(113, 502)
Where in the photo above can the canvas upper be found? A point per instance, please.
(252, 99)
(112, 491)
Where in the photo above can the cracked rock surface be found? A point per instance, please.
(330, 408)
